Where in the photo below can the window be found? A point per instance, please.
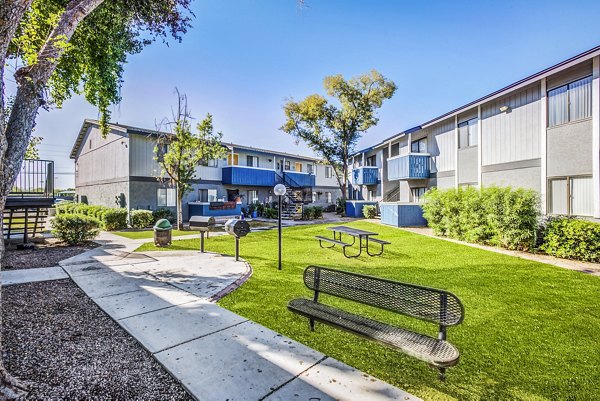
(252, 196)
(419, 146)
(252, 161)
(166, 197)
(309, 168)
(287, 165)
(571, 196)
(467, 133)
(570, 102)
(371, 160)
(417, 194)
(328, 172)
(314, 197)
(232, 159)
(328, 194)
(161, 149)
(207, 195)
(371, 195)
(298, 167)
(209, 163)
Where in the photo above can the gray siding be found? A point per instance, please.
(569, 149)
(102, 159)
(515, 134)
(467, 165)
(104, 194)
(442, 145)
(529, 178)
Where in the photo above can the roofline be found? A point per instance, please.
(143, 131)
(563, 65)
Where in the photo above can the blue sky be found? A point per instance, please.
(243, 58)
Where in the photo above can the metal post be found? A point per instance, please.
(279, 232)
(237, 249)
(202, 241)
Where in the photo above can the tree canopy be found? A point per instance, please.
(333, 130)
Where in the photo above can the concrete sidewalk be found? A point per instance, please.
(22, 276)
(164, 300)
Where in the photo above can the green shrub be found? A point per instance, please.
(493, 216)
(271, 213)
(308, 213)
(75, 228)
(114, 219)
(318, 212)
(164, 214)
(340, 206)
(369, 211)
(141, 218)
(572, 238)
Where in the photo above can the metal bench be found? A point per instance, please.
(428, 304)
(332, 241)
(377, 241)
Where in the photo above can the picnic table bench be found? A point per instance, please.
(354, 233)
(429, 304)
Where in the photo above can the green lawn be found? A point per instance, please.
(149, 233)
(143, 234)
(531, 331)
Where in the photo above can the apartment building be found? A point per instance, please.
(121, 170)
(542, 133)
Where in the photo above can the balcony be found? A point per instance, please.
(366, 175)
(250, 176)
(412, 166)
(298, 180)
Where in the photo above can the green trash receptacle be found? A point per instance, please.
(163, 231)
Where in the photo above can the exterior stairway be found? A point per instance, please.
(293, 208)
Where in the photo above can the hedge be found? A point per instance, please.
(312, 212)
(141, 218)
(572, 238)
(164, 214)
(75, 229)
(369, 211)
(110, 218)
(498, 216)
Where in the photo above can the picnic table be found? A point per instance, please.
(355, 233)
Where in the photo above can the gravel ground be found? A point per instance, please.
(46, 254)
(56, 338)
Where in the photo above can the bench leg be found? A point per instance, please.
(352, 256)
(311, 323)
(321, 245)
(442, 374)
(375, 254)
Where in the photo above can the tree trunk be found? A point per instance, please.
(179, 208)
(14, 137)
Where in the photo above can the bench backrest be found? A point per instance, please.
(429, 304)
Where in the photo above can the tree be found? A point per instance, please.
(332, 131)
(32, 151)
(58, 48)
(181, 151)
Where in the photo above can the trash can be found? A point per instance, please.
(162, 233)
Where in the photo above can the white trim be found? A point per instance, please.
(410, 154)
(543, 146)
(596, 134)
(479, 147)
(456, 151)
(250, 167)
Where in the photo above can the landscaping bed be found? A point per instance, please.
(57, 338)
(530, 329)
(44, 254)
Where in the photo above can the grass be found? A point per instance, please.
(149, 233)
(531, 330)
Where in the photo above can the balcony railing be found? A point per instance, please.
(412, 166)
(35, 179)
(366, 175)
(251, 176)
(296, 179)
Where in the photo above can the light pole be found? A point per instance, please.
(279, 190)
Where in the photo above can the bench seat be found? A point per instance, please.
(379, 241)
(438, 353)
(333, 241)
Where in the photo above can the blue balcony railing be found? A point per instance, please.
(412, 166)
(251, 176)
(298, 180)
(366, 175)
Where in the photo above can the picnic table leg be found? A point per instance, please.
(374, 254)
(360, 248)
